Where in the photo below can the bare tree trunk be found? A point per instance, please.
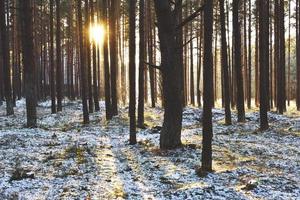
(141, 65)
(170, 135)
(113, 54)
(271, 87)
(199, 63)
(264, 61)
(256, 57)
(245, 52)
(88, 59)
(28, 62)
(238, 58)
(82, 66)
(225, 65)
(281, 95)
(192, 90)
(298, 54)
(59, 82)
(132, 85)
(6, 61)
(249, 56)
(207, 133)
(1, 75)
(106, 64)
(289, 55)
(95, 70)
(151, 59)
(51, 57)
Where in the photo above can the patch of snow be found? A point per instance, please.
(72, 161)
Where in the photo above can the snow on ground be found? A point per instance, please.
(62, 159)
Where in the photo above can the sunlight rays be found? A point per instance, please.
(97, 33)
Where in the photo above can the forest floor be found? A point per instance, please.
(61, 159)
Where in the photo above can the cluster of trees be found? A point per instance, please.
(207, 50)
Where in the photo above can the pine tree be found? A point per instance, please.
(107, 82)
(170, 135)
(132, 72)
(225, 64)
(59, 72)
(206, 160)
(113, 55)
(28, 62)
(238, 61)
(82, 65)
(142, 46)
(264, 61)
(51, 60)
(6, 60)
(298, 53)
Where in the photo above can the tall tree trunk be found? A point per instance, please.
(59, 82)
(28, 62)
(1, 75)
(264, 61)
(82, 66)
(249, 56)
(113, 54)
(199, 63)
(245, 51)
(271, 87)
(256, 56)
(237, 59)
(51, 61)
(88, 59)
(151, 59)
(95, 69)
(225, 64)
(289, 55)
(192, 90)
(298, 54)
(132, 85)
(170, 135)
(123, 65)
(141, 65)
(6, 61)
(215, 61)
(106, 64)
(206, 159)
(281, 95)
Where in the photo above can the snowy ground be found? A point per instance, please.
(64, 160)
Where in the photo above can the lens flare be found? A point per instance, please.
(97, 33)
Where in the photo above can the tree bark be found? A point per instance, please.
(132, 72)
(95, 68)
(207, 133)
(225, 64)
(141, 65)
(249, 56)
(6, 61)
(170, 135)
(59, 82)
(106, 64)
(298, 54)
(264, 61)
(51, 61)
(28, 62)
(113, 55)
(238, 61)
(82, 66)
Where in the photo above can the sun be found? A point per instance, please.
(97, 33)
